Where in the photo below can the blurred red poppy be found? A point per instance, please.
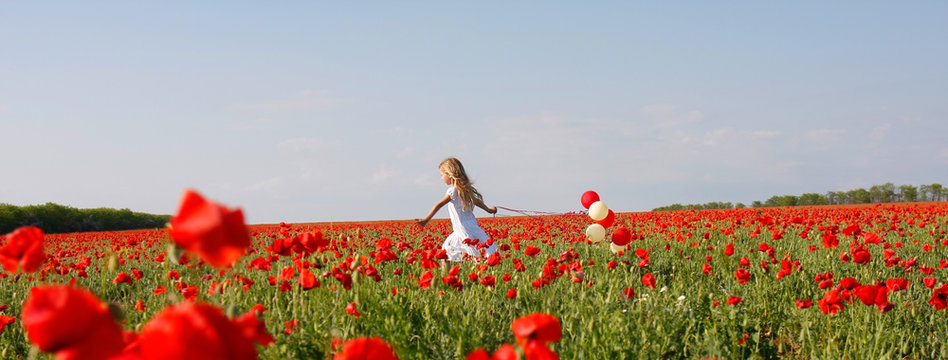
(122, 277)
(6, 320)
(537, 327)
(742, 275)
(199, 331)
(211, 231)
(23, 250)
(352, 310)
(370, 348)
(71, 322)
(504, 352)
(940, 298)
(648, 280)
(897, 284)
(803, 304)
(512, 293)
(307, 280)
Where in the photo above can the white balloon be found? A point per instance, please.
(616, 248)
(595, 233)
(598, 210)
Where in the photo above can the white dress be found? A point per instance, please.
(464, 226)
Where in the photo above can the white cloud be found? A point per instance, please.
(764, 134)
(880, 132)
(254, 125)
(825, 135)
(718, 136)
(406, 153)
(381, 175)
(668, 115)
(424, 180)
(307, 144)
(267, 184)
(303, 100)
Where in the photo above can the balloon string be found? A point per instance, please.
(528, 214)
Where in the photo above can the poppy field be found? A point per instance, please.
(857, 282)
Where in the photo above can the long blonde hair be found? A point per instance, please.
(466, 191)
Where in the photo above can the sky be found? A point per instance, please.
(339, 111)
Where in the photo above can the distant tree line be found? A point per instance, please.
(884, 193)
(708, 206)
(55, 218)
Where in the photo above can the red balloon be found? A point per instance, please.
(609, 220)
(621, 236)
(589, 197)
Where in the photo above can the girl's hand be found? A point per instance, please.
(421, 223)
(492, 210)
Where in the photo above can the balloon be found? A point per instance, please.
(598, 210)
(616, 248)
(621, 236)
(609, 220)
(595, 233)
(589, 197)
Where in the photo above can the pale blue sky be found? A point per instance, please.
(329, 110)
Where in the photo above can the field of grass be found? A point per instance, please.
(697, 306)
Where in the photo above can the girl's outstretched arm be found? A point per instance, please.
(489, 210)
(446, 199)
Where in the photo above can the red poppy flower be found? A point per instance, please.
(313, 241)
(537, 350)
(940, 298)
(140, 305)
(213, 232)
(512, 293)
(198, 331)
(504, 352)
(23, 250)
(803, 304)
(253, 328)
(537, 327)
(786, 268)
(849, 283)
(122, 277)
(648, 280)
(734, 300)
(742, 275)
(289, 326)
(861, 256)
(531, 251)
(308, 280)
(425, 280)
(869, 293)
(71, 322)
(493, 259)
(351, 310)
(897, 284)
(831, 303)
(371, 348)
(6, 320)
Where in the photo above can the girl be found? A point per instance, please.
(463, 197)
